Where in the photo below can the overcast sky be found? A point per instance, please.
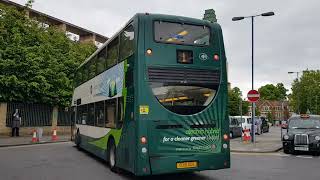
(288, 41)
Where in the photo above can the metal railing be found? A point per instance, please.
(32, 115)
(64, 117)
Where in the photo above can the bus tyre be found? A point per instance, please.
(111, 155)
(77, 139)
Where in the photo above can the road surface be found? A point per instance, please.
(63, 161)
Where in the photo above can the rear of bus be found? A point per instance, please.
(182, 96)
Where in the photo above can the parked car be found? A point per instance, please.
(235, 128)
(258, 125)
(303, 134)
(265, 125)
(245, 121)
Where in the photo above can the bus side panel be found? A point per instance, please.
(126, 147)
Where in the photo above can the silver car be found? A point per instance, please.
(235, 128)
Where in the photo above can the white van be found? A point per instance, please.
(245, 121)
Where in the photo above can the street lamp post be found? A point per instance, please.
(298, 100)
(252, 62)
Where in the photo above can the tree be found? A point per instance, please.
(29, 3)
(270, 118)
(272, 92)
(306, 92)
(282, 91)
(37, 64)
(245, 107)
(257, 111)
(235, 102)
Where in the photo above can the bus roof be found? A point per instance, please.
(163, 17)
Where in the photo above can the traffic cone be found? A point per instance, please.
(246, 135)
(54, 135)
(34, 137)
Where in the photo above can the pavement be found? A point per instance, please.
(62, 161)
(26, 140)
(265, 143)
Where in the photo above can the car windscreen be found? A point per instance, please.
(179, 33)
(304, 124)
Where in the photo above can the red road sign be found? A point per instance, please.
(253, 96)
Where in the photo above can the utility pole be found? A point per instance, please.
(298, 98)
(252, 62)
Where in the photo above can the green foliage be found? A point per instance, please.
(234, 102)
(257, 111)
(245, 107)
(270, 118)
(37, 64)
(29, 3)
(272, 92)
(306, 93)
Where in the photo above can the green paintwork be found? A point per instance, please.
(161, 156)
(116, 134)
(102, 142)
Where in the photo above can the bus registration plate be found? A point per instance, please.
(190, 164)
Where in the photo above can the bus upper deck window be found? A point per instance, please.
(183, 34)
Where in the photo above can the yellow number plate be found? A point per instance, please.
(182, 165)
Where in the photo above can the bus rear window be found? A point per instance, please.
(178, 33)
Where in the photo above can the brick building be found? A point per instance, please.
(279, 110)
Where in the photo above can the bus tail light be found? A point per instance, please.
(225, 137)
(143, 140)
(216, 57)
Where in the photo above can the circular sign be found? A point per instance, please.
(203, 56)
(253, 96)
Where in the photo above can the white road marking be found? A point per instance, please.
(276, 154)
(33, 145)
(306, 157)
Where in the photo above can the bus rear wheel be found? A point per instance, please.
(112, 155)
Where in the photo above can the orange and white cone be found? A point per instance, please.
(34, 137)
(54, 135)
(246, 135)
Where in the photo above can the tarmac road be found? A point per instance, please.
(63, 161)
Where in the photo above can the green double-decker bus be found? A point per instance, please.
(153, 98)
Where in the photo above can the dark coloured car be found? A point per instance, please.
(265, 125)
(303, 134)
(235, 128)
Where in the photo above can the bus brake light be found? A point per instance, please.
(216, 57)
(225, 137)
(143, 140)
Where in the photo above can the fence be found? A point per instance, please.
(31, 114)
(64, 117)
